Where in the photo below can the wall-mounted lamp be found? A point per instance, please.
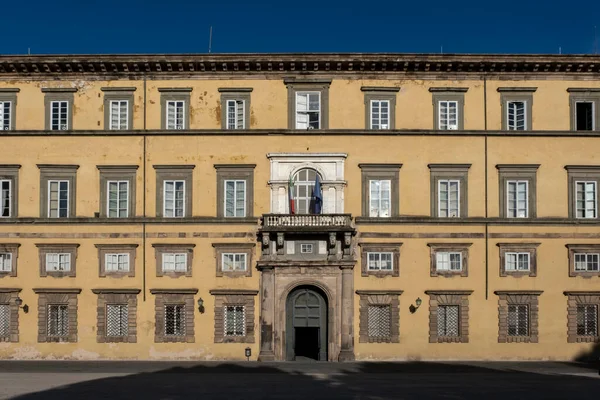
(201, 305)
(248, 353)
(414, 308)
(19, 303)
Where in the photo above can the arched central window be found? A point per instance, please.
(304, 184)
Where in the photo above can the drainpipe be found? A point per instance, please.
(486, 187)
(144, 203)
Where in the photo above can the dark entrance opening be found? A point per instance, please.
(306, 324)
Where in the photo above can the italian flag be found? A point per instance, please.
(292, 195)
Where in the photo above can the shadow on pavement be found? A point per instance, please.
(369, 380)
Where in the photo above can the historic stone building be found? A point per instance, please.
(145, 209)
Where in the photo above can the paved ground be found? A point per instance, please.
(31, 380)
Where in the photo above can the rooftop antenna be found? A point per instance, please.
(595, 40)
(442, 49)
(29, 51)
(559, 50)
(210, 39)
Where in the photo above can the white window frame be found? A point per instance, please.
(174, 198)
(517, 255)
(237, 259)
(235, 192)
(306, 248)
(236, 322)
(508, 210)
(174, 262)
(110, 115)
(378, 261)
(66, 122)
(515, 128)
(61, 259)
(380, 198)
(379, 124)
(441, 261)
(59, 181)
(239, 103)
(449, 182)
(172, 125)
(308, 111)
(585, 209)
(121, 259)
(3, 115)
(593, 103)
(5, 262)
(10, 198)
(118, 199)
(447, 124)
(589, 259)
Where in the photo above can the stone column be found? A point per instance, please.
(347, 350)
(267, 313)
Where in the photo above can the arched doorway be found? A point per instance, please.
(304, 182)
(306, 324)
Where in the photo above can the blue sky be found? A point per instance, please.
(175, 26)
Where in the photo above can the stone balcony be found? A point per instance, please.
(306, 222)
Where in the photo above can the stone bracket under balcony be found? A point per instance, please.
(306, 238)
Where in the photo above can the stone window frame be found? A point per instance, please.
(458, 298)
(118, 93)
(459, 172)
(581, 248)
(517, 94)
(9, 296)
(174, 172)
(226, 172)
(175, 94)
(46, 297)
(588, 95)
(574, 299)
(10, 172)
(169, 248)
(63, 172)
(69, 248)
(232, 93)
(308, 85)
(116, 296)
(245, 248)
(382, 94)
(462, 248)
(117, 173)
(449, 94)
(10, 94)
(58, 94)
(234, 297)
(387, 247)
(389, 298)
(518, 297)
(524, 247)
(104, 249)
(380, 172)
(165, 297)
(521, 172)
(577, 173)
(13, 250)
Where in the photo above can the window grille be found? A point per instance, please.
(5, 107)
(308, 110)
(117, 321)
(175, 114)
(379, 198)
(380, 261)
(516, 204)
(380, 114)
(59, 116)
(516, 261)
(448, 321)
(58, 320)
(586, 262)
(5, 198)
(174, 198)
(587, 320)
(448, 118)
(118, 196)
(4, 320)
(236, 114)
(235, 198)
(174, 262)
(449, 198)
(116, 262)
(586, 200)
(516, 116)
(235, 321)
(119, 114)
(380, 321)
(175, 320)
(448, 261)
(234, 261)
(58, 199)
(518, 320)
(5, 262)
(58, 262)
